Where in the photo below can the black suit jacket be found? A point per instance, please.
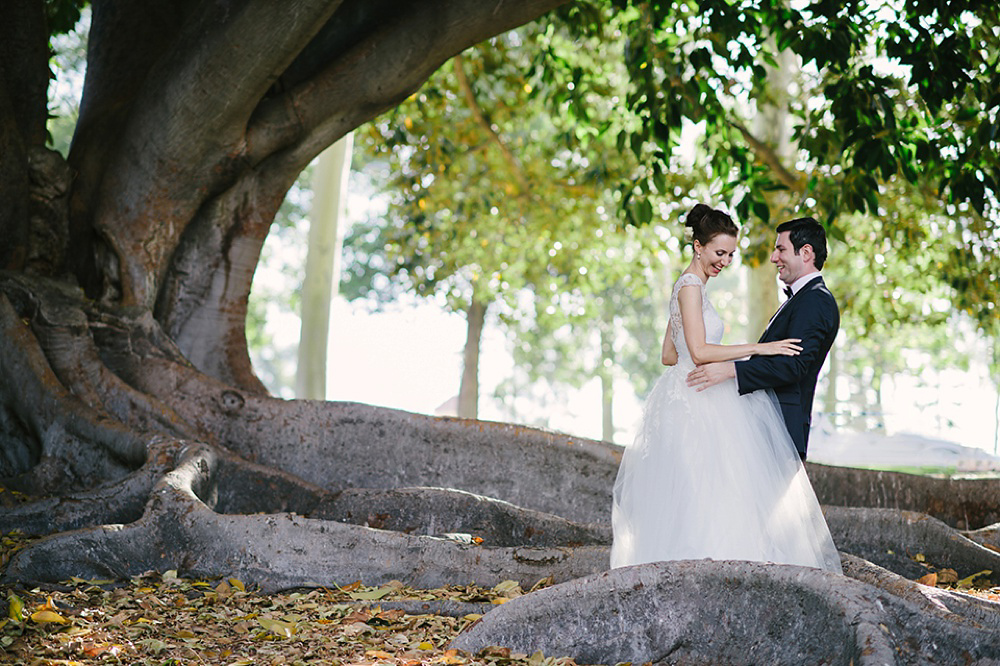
(812, 316)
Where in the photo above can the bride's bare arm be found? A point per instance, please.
(702, 352)
(668, 355)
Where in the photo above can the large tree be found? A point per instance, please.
(131, 418)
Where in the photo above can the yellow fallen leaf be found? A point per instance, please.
(507, 586)
(277, 627)
(424, 646)
(371, 595)
(499, 600)
(968, 581)
(15, 608)
(47, 616)
(238, 584)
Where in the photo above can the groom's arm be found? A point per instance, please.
(813, 323)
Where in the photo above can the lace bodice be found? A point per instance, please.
(713, 323)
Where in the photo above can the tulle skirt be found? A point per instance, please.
(714, 474)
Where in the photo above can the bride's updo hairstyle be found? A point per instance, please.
(706, 223)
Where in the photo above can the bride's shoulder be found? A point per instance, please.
(688, 280)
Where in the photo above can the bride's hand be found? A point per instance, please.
(787, 347)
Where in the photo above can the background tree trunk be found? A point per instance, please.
(322, 275)
(468, 391)
(604, 371)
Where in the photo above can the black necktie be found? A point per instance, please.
(788, 292)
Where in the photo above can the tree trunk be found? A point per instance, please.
(832, 374)
(468, 392)
(772, 127)
(322, 275)
(607, 385)
(762, 299)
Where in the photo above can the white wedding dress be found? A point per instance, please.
(713, 474)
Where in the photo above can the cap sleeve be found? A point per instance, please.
(689, 280)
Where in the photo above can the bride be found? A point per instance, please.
(713, 474)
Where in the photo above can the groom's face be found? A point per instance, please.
(791, 266)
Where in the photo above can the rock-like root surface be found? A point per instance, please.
(894, 539)
(441, 511)
(956, 606)
(705, 612)
(277, 551)
(966, 504)
(121, 501)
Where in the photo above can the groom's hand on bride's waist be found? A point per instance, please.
(711, 374)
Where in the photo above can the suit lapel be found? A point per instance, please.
(783, 308)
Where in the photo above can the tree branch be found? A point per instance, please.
(477, 112)
(791, 180)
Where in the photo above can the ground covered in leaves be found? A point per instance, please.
(166, 619)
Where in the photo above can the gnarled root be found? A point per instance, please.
(705, 612)
(179, 530)
(892, 539)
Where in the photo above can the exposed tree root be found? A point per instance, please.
(277, 551)
(976, 611)
(962, 503)
(437, 511)
(988, 536)
(705, 612)
(892, 539)
(121, 501)
(42, 421)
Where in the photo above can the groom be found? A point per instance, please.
(810, 314)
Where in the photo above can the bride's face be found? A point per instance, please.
(716, 254)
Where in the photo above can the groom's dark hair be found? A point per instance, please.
(807, 231)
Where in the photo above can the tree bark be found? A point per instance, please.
(322, 276)
(607, 387)
(468, 390)
(704, 612)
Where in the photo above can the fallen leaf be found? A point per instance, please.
(508, 588)
(277, 627)
(450, 657)
(969, 581)
(947, 576)
(372, 595)
(15, 608)
(357, 616)
(378, 654)
(930, 579)
(47, 616)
